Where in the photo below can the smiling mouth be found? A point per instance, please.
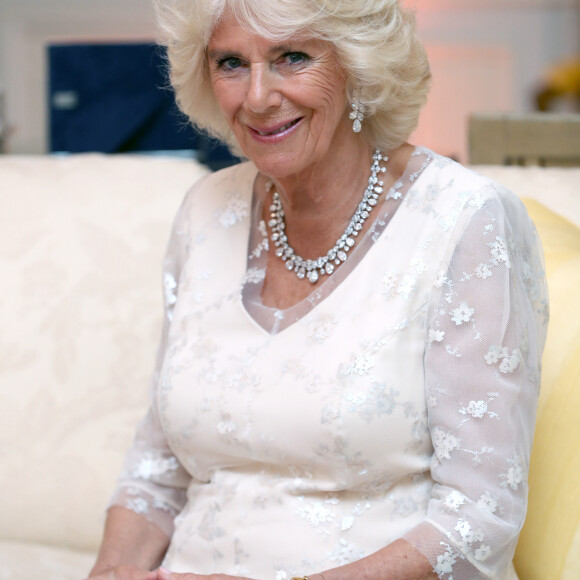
(279, 130)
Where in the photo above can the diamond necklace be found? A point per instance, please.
(325, 265)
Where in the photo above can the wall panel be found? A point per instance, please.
(465, 79)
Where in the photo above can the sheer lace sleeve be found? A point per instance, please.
(486, 331)
(152, 481)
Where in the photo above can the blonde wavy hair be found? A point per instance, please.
(375, 41)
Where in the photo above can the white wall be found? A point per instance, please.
(485, 54)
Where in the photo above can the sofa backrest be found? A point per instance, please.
(81, 246)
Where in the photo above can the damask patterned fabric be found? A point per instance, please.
(81, 241)
(397, 400)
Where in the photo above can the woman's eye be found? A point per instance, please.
(229, 63)
(295, 57)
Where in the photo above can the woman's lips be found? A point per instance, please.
(273, 132)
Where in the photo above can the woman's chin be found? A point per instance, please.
(280, 164)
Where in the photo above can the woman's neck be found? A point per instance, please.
(319, 203)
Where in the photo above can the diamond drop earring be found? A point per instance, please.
(357, 115)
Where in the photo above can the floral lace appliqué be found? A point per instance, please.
(480, 409)
(514, 476)
(454, 501)
(445, 562)
(150, 466)
(376, 402)
(483, 271)
(436, 335)
(499, 252)
(263, 244)
(322, 328)
(360, 366)
(444, 443)
(509, 362)
(488, 503)
(235, 211)
(316, 514)
(408, 287)
(469, 537)
(462, 314)
(254, 275)
(390, 283)
(138, 505)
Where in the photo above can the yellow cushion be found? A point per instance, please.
(549, 546)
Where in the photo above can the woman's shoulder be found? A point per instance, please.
(456, 186)
(465, 181)
(224, 195)
(238, 178)
(231, 187)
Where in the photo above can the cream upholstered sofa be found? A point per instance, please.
(81, 243)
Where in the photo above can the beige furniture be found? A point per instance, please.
(545, 139)
(81, 244)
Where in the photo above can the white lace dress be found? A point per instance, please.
(397, 400)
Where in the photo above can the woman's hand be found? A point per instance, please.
(163, 574)
(123, 573)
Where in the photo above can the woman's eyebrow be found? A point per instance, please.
(282, 48)
(218, 53)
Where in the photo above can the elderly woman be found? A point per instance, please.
(347, 378)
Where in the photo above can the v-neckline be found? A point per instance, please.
(275, 320)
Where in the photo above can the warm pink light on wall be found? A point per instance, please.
(466, 80)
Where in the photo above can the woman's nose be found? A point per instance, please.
(263, 90)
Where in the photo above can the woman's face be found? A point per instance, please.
(284, 101)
